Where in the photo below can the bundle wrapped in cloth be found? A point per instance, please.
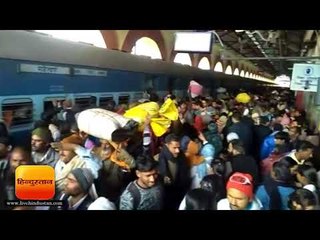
(139, 113)
(101, 123)
(243, 98)
(160, 117)
(195, 89)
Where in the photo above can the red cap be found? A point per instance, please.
(241, 182)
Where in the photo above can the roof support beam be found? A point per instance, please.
(272, 58)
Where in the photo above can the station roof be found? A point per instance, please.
(273, 51)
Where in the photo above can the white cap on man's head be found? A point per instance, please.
(231, 136)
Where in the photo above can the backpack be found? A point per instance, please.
(4, 164)
(135, 193)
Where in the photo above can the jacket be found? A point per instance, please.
(267, 145)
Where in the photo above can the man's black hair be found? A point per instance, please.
(145, 163)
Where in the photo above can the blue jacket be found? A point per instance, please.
(264, 198)
(267, 146)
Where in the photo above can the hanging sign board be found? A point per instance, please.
(305, 77)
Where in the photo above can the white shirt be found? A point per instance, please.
(92, 162)
(313, 189)
(310, 187)
(183, 204)
(59, 167)
(54, 132)
(293, 156)
(224, 204)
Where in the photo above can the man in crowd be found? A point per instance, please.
(239, 194)
(145, 193)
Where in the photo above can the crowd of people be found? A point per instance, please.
(220, 154)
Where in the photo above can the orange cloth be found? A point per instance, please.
(192, 154)
(115, 158)
(118, 156)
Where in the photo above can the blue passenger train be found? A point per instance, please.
(36, 68)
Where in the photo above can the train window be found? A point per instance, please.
(84, 102)
(17, 112)
(104, 100)
(123, 99)
(48, 103)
